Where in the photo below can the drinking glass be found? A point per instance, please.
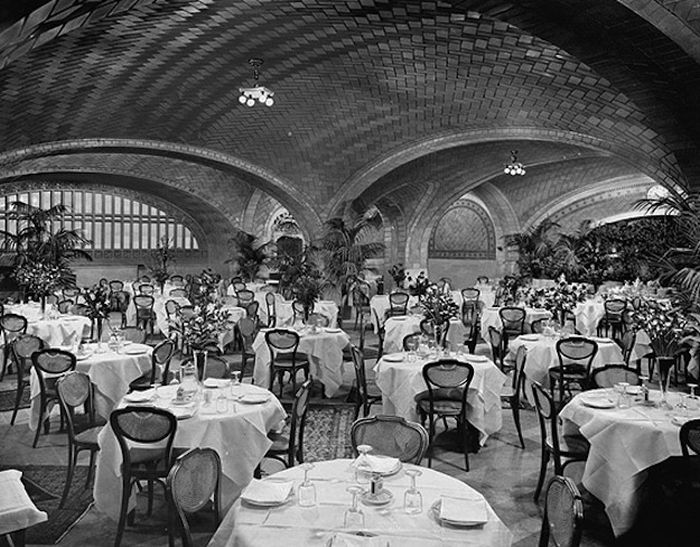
(412, 347)
(363, 468)
(624, 400)
(307, 491)
(682, 404)
(692, 400)
(354, 517)
(235, 383)
(221, 404)
(413, 499)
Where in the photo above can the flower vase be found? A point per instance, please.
(98, 328)
(43, 306)
(199, 360)
(666, 364)
(190, 387)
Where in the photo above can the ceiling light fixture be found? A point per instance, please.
(514, 167)
(250, 95)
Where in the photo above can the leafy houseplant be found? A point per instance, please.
(40, 279)
(204, 288)
(162, 258)
(664, 322)
(98, 300)
(438, 308)
(248, 254)
(307, 290)
(560, 299)
(207, 323)
(418, 286)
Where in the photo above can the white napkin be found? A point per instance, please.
(467, 511)
(341, 539)
(183, 411)
(382, 464)
(267, 491)
(216, 382)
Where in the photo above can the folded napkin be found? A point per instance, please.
(183, 411)
(342, 539)
(462, 510)
(381, 464)
(267, 491)
(216, 382)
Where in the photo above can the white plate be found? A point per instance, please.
(435, 513)
(263, 504)
(680, 420)
(530, 337)
(634, 390)
(598, 402)
(477, 358)
(136, 350)
(83, 356)
(393, 358)
(137, 397)
(255, 398)
(333, 330)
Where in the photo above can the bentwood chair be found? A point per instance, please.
(513, 320)
(238, 284)
(160, 361)
(690, 437)
(65, 306)
(564, 450)
(136, 427)
(178, 292)
(48, 365)
(116, 285)
(562, 522)
(367, 394)
(391, 436)
(116, 319)
(482, 280)
(119, 301)
(177, 279)
(192, 483)
(537, 326)
(271, 308)
(610, 375)
(172, 308)
(576, 356)
(448, 382)
(22, 349)
(70, 293)
(146, 288)
(513, 392)
(398, 304)
(245, 297)
(289, 449)
(380, 333)
(12, 325)
(298, 312)
(360, 301)
(612, 324)
(145, 316)
(470, 295)
(412, 340)
(283, 345)
(247, 330)
(75, 390)
(470, 321)
(497, 348)
(251, 311)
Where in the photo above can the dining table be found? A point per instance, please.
(17, 510)
(541, 351)
(54, 328)
(249, 525)
(322, 345)
(110, 371)
(235, 422)
(399, 376)
(396, 328)
(379, 304)
(625, 443)
(490, 318)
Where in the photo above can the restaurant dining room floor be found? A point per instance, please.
(503, 472)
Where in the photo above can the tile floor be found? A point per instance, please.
(502, 471)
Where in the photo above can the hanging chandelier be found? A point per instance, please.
(250, 95)
(514, 167)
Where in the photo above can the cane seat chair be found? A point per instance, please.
(575, 356)
(12, 325)
(238, 285)
(147, 288)
(497, 346)
(176, 279)
(612, 324)
(22, 349)
(65, 306)
(564, 449)
(482, 280)
(470, 295)
(245, 297)
(448, 382)
(367, 392)
(391, 436)
(75, 390)
(412, 341)
(70, 293)
(537, 326)
(136, 427)
(187, 311)
(379, 322)
(513, 393)
(145, 316)
(116, 319)
(513, 320)
(271, 308)
(610, 375)
(49, 364)
(283, 345)
(119, 301)
(298, 312)
(160, 361)
(398, 304)
(116, 285)
(690, 437)
(172, 309)
(193, 481)
(177, 292)
(251, 310)
(289, 449)
(562, 522)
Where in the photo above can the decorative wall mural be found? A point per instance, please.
(464, 231)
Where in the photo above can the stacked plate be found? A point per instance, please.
(268, 493)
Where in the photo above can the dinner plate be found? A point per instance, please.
(392, 471)
(84, 356)
(435, 513)
(399, 318)
(137, 397)
(255, 398)
(333, 330)
(264, 504)
(394, 357)
(598, 402)
(477, 358)
(136, 350)
(680, 420)
(530, 337)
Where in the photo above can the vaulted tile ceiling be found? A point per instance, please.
(407, 105)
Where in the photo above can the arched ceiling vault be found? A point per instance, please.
(365, 92)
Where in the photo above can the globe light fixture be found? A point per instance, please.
(514, 167)
(258, 93)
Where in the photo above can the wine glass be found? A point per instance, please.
(307, 491)
(354, 517)
(412, 498)
(412, 345)
(363, 468)
(221, 404)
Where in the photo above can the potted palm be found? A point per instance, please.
(249, 254)
(162, 258)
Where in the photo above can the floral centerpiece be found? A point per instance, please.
(162, 258)
(664, 322)
(39, 279)
(419, 285)
(97, 298)
(560, 300)
(306, 290)
(205, 325)
(204, 288)
(438, 308)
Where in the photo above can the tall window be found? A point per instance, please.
(110, 222)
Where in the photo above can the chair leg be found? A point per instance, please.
(515, 407)
(91, 469)
(431, 435)
(42, 409)
(72, 456)
(126, 491)
(4, 361)
(543, 471)
(18, 399)
(465, 440)
(150, 498)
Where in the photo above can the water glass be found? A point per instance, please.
(363, 468)
(235, 383)
(307, 491)
(692, 401)
(412, 498)
(221, 404)
(354, 518)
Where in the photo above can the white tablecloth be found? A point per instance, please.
(17, 511)
(55, 332)
(490, 318)
(239, 436)
(624, 443)
(161, 323)
(293, 525)
(396, 328)
(401, 381)
(379, 303)
(110, 372)
(325, 352)
(328, 308)
(542, 355)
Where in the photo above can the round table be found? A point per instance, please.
(398, 327)
(293, 525)
(624, 443)
(63, 330)
(491, 318)
(400, 381)
(239, 435)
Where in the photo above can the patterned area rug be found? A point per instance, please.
(51, 478)
(7, 400)
(327, 434)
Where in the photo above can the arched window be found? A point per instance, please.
(113, 223)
